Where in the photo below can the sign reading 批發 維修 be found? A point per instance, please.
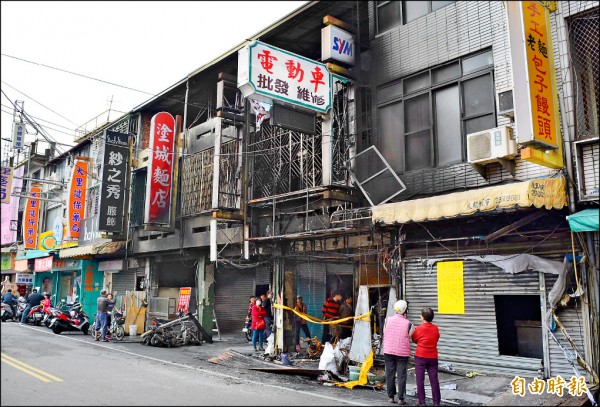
(266, 73)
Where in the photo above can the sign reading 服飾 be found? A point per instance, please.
(76, 203)
(184, 299)
(268, 73)
(6, 176)
(18, 135)
(536, 110)
(114, 181)
(31, 217)
(160, 169)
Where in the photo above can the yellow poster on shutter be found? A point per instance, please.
(451, 291)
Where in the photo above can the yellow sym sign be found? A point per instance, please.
(451, 291)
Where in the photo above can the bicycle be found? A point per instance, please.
(115, 329)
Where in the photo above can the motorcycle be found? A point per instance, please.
(161, 333)
(247, 330)
(35, 315)
(21, 305)
(74, 320)
(7, 312)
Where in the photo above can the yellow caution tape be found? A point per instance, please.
(362, 377)
(364, 317)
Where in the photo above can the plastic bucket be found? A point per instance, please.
(132, 330)
(354, 373)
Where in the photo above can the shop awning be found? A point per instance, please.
(100, 248)
(33, 254)
(584, 221)
(546, 193)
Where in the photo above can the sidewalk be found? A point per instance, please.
(493, 390)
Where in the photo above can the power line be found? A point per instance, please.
(46, 121)
(39, 103)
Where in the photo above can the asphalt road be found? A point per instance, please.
(41, 368)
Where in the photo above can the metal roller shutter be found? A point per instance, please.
(470, 341)
(263, 274)
(123, 281)
(310, 284)
(233, 287)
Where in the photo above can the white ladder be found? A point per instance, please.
(216, 325)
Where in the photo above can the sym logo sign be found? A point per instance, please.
(337, 45)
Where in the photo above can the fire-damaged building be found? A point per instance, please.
(441, 152)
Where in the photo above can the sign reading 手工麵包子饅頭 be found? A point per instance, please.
(266, 73)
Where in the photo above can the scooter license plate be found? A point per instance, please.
(37, 314)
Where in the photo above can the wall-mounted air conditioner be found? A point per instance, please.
(143, 158)
(506, 105)
(489, 145)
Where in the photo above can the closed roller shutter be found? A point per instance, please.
(263, 274)
(470, 341)
(310, 284)
(123, 281)
(233, 288)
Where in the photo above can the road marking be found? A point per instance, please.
(241, 379)
(29, 369)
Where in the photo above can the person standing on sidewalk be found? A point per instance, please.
(268, 305)
(102, 315)
(300, 322)
(330, 311)
(258, 325)
(426, 336)
(396, 350)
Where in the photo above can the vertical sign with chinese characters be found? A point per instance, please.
(18, 135)
(31, 217)
(184, 299)
(6, 176)
(160, 169)
(114, 181)
(76, 203)
(536, 109)
(267, 73)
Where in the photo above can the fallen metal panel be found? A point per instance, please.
(291, 371)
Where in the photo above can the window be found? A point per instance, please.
(392, 13)
(585, 53)
(423, 119)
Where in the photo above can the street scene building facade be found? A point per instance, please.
(441, 152)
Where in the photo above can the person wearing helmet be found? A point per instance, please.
(396, 350)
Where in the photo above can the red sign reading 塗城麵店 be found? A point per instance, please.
(160, 169)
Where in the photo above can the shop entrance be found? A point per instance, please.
(519, 324)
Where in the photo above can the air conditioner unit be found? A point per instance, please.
(506, 105)
(489, 145)
(143, 158)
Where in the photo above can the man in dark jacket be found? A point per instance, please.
(10, 299)
(331, 311)
(34, 299)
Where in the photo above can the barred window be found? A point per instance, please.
(583, 36)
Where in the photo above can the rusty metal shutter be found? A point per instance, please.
(233, 288)
(470, 341)
(263, 274)
(310, 284)
(123, 281)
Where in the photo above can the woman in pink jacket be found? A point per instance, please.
(258, 324)
(396, 350)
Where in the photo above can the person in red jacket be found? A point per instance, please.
(258, 324)
(426, 336)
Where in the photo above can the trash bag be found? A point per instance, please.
(327, 360)
(270, 344)
(344, 343)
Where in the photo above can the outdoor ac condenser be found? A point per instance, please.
(487, 146)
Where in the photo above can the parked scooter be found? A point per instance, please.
(35, 315)
(74, 320)
(21, 305)
(7, 312)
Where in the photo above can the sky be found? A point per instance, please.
(147, 46)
